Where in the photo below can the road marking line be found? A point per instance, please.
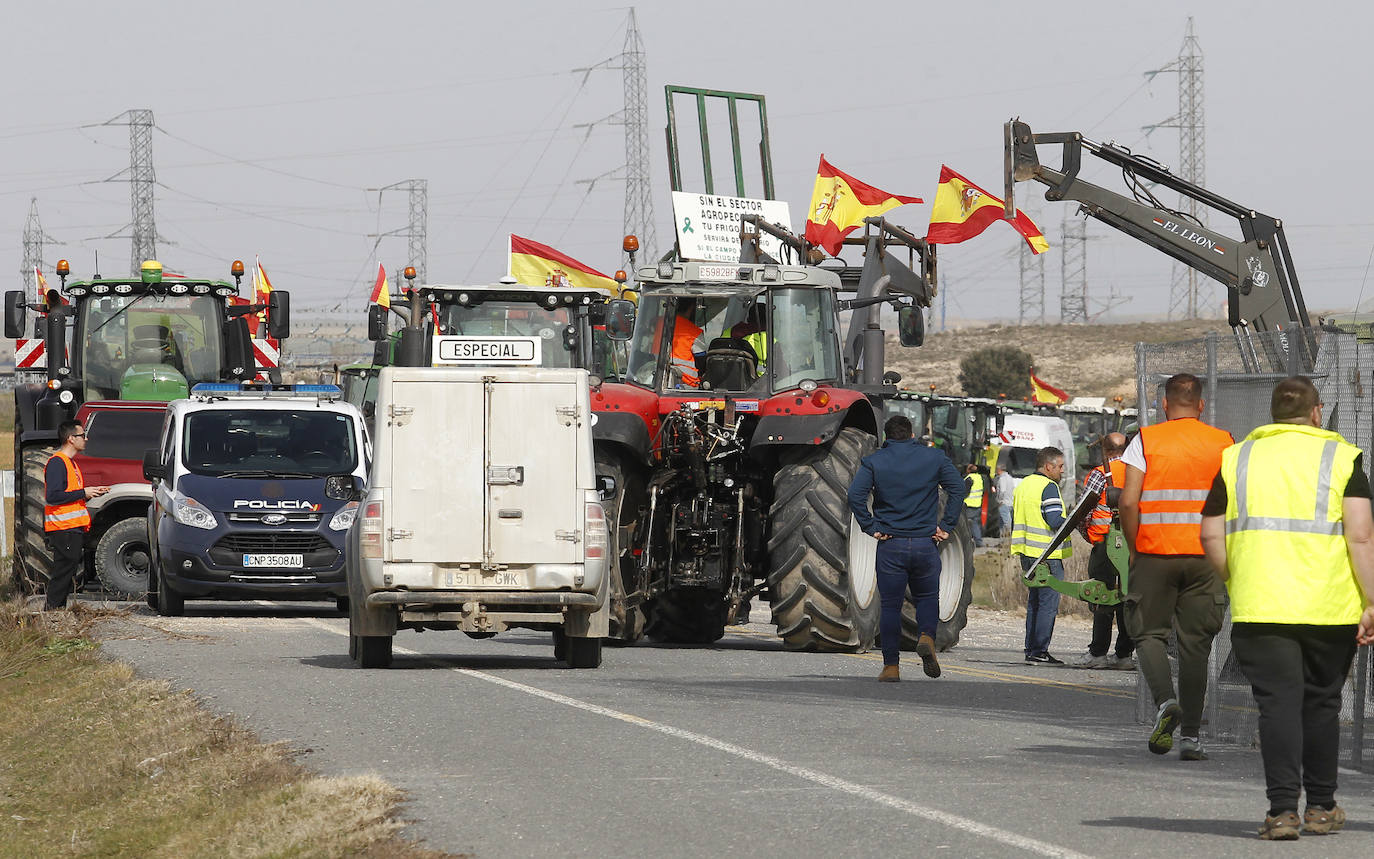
(954, 821)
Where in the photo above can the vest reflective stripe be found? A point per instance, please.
(684, 363)
(975, 492)
(1181, 459)
(1285, 543)
(1100, 520)
(64, 517)
(1030, 533)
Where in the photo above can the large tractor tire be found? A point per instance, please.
(123, 558)
(687, 617)
(821, 580)
(627, 623)
(956, 591)
(35, 558)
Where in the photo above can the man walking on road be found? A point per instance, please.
(1169, 469)
(1037, 513)
(1287, 525)
(65, 518)
(973, 502)
(1100, 567)
(904, 478)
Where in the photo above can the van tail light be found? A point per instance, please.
(597, 536)
(370, 535)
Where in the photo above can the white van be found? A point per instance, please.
(482, 512)
(1023, 435)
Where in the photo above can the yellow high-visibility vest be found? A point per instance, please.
(975, 491)
(1030, 533)
(1285, 541)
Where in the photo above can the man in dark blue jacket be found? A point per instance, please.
(904, 478)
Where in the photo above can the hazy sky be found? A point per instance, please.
(274, 118)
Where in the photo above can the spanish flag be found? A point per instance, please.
(262, 292)
(962, 210)
(381, 290)
(839, 204)
(534, 264)
(1043, 392)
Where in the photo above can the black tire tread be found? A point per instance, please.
(117, 579)
(34, 556)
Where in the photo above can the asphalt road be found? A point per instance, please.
(738, 748)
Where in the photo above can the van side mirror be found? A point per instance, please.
(279, 314)
(342, 487)
(376, 322)
(153, 469)
(15, 313)
(605, 484)
(620, 318)
(911, 326)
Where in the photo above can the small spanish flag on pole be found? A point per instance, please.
(962, 210)
(1044, 392)
(381, 290)
(839, 204)
(535, 264)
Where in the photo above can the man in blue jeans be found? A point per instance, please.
(904, 479)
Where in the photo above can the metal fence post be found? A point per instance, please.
(1142, 405)
(1357, 711)
(1211, 396)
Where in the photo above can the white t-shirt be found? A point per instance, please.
(1135, 454)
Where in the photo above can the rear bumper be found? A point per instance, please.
(484, 598)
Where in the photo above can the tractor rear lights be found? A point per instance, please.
(370, 532)
(54, 384)
(66, 397)
(820, 399)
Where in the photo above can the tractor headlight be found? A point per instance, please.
(189, 511)
(343, 520)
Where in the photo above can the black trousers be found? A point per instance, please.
(1100, 568)
(66, 561)
(1296, 672)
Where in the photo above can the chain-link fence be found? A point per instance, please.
(1238, 375)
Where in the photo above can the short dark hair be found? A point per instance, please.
(1045, 455)
(1294, 397)
(65, 430)
(897, 428)
(1183, 389)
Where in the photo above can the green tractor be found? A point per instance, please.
(147, 338)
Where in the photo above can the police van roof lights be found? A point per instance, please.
(262, 389)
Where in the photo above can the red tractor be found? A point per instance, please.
(732, 466)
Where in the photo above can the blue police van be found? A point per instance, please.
(252, 494)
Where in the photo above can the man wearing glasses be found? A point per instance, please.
(65, 518)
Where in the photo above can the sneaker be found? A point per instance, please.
(1166, 722)
(1190, 749)
(1087, 660)
(1319, 821)
(925, 648)
(1121, 663)
(1043, 659)
(1280, 827)
(890, 674)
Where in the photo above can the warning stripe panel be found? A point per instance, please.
(29, 353)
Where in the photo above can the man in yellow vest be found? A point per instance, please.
(973, 502)
(1037, 512)
(1287, 525)
(65, 518)
(1169, 468)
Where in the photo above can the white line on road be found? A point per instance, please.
(954, 821)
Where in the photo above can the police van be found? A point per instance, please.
(253, 494)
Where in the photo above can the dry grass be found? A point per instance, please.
(96, 761)
(998, 583)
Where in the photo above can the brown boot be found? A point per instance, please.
(925, 648)
(890, 674)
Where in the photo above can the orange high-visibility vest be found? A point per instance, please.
(73, 514)
(1101, 518)
(685, 334)
(1182, 458)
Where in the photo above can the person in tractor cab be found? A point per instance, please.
(686, 343)
(754, 332)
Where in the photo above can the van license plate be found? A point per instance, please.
(274, 560)
(475, 579)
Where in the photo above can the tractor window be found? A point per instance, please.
(304, 443)
(512, 319)
(1020, 461)
(122, 434)
(125, 335)
(803, 344)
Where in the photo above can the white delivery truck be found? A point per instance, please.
(1023, 435)
(482, 512)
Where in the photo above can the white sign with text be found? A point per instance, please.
(708, 225)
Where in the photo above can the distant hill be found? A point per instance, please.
(1083, 360)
